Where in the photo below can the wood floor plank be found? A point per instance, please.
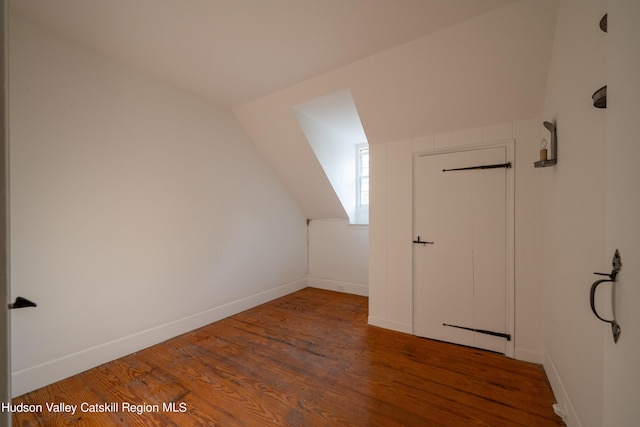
(309, 371)
(277, 362)
(307, 359)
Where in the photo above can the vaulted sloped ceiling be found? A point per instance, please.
(234, 51)
(413, 67)
(487, 70)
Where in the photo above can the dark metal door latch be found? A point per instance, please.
(22, 303)
(611, 277)
(422, 242)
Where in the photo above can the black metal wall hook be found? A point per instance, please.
(617, 264)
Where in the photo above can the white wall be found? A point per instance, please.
(592, 206)
(574, 213)
(621, 367)
(339, 256)
(391, 230)
(138, 212)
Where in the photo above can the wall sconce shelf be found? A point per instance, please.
(546, 160)
(545, 163)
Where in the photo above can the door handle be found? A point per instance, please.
(422, 242)
(22, 303)
(615, 327)
(611, 277)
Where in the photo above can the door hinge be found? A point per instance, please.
(482, 331)
(500, 165)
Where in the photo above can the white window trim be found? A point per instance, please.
(362, 211)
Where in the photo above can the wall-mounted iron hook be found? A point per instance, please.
(611, 277)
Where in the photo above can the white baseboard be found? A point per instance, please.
(529, 356)
(51, 371)
(332, 285)
(390, 324)
(563, 408)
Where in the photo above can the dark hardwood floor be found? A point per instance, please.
(307, 359)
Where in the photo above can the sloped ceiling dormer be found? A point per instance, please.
(412, 67)
(486, 70)
(333, 129)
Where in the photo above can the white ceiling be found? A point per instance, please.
(235, 51)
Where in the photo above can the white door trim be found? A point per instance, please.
(5, 326)
(509, 146)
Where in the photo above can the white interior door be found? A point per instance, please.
(460, 280)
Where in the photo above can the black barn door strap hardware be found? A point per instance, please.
(422, 242)
(611, 277)
(501, 165)
(22, 303)
(482, 331)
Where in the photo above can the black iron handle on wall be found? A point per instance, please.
(611, 277)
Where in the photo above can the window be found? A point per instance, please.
(362, 183)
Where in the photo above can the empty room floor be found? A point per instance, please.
(307, 359)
